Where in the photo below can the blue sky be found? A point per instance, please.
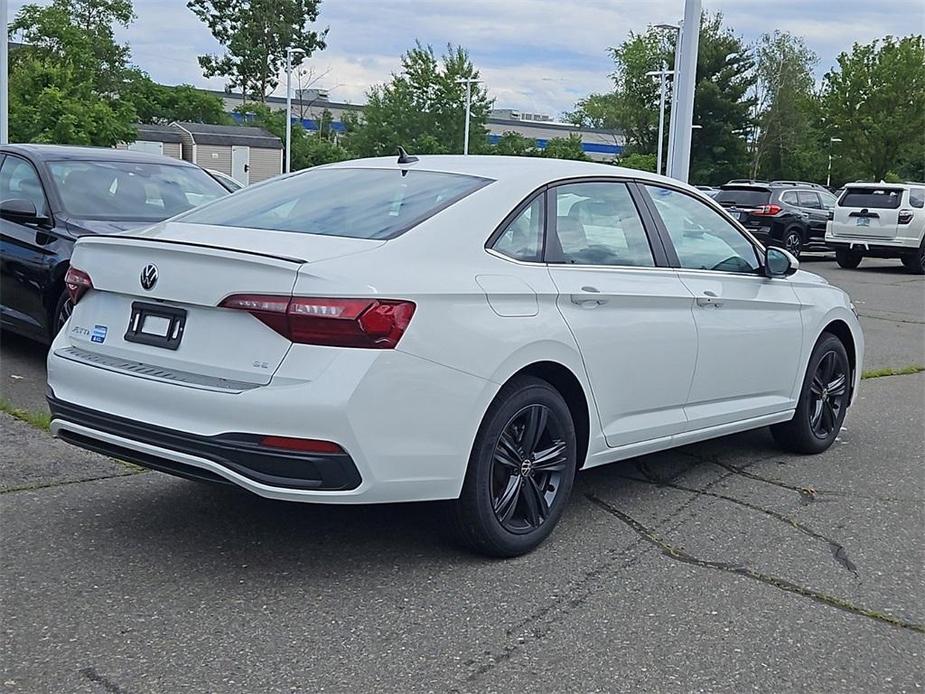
(535, 55)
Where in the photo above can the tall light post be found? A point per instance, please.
(468, 81)
(4, 77)
(682, 105)
(663, 79)
(289, 53)
(828, 177)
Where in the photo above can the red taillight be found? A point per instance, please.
(77, 283)
(767, 210)
(301, 445)
(367, 323)
(905, 216)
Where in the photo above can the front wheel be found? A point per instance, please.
(823, 400)
(915, 263)
(521, 471)
(848, 259)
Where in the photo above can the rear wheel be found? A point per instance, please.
(63, 309)
(915, 263)
(823, 400)
(793, 241)
(847, 258)
(520, 473)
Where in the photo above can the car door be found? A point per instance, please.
(749, 326)
(24, 248)
(629, 313)
(811, 205)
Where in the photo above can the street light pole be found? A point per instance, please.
(289, 53)
(682, 105)
(4, 76)
(828, 178)
(663, 82)
(468, 81)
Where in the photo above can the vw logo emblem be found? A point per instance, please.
(149, 276)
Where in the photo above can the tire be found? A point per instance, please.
(793, 241)
(509, 503)
(823, 400)
(915, 263)
(62, 312)
(847, 259)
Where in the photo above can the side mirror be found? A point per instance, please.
(779, 263)
(21, 211)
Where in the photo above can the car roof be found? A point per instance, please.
(536, 170)
(76, 153)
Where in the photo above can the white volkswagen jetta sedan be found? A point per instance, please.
(473, 329)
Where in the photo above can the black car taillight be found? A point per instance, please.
(905, 216)
(77, 282)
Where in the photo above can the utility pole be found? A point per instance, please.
(289, 53)
(685, 81)
(468, 81)
(4, 76)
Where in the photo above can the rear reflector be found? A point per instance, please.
(366, 323)
(302, 445)
(77, 282)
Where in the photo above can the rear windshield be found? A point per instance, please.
(743, 197)
(876, 198)
(356, 203)
(131, 191)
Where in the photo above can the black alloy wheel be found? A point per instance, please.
(520, 473)
(529, 461)
(828, 393)
(793, 242)
(823, 400)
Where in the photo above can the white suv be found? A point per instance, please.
(879, 220)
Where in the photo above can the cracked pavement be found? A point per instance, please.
(723, 566)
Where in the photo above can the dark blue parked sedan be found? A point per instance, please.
(50, 195)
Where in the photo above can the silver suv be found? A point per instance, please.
(879, 220)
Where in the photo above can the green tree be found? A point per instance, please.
(66, 83)
(160, 104)
(642, 162)
(308, 149)
(422, 108)
(721, 105)
(515, 145)
(255, 35)
(785, 142)
(565, 148)
(874, 101)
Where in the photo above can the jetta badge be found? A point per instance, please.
(149, 277)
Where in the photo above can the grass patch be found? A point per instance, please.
(901, 371)
(40, 420)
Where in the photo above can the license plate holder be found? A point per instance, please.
(156, 325)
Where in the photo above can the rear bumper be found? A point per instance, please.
(406, 425)
(238, 453)
(875, 248)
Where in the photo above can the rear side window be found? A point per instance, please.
(809, 199)
(917, 197)
(522, 239)
(356, 203)
(743, 197)
(878, 198)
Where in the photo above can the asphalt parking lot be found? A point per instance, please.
(725, 566)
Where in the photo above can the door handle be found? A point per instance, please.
(586, 301)
(709, 299)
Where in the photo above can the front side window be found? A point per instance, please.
(809, 199)
(701, 236)
(828, 200)
(356, 203)
(19, 181)
(598, 224)
(522, 239)
(131, 191)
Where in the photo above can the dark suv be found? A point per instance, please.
(790, 214)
